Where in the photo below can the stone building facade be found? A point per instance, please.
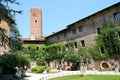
(85, 30)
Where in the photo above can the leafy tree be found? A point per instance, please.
(77, 57)
(15, 42)
(74, 58)
(4, 6)
(9, 61)
(18, 59)
(3, 37)
(85, 55)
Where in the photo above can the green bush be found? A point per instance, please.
(40, 69)
(48, 69)
(8, 62)
(14, 60)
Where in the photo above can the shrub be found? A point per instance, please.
(8, 62)
(48, 69)
(40, 69)
(14, 60)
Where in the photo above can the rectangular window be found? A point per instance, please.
(74, 31)
(75, 44)
(81, 29)
(98, 30)
(83, 43)
(117, 16)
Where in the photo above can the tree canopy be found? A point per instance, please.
(3, 37)
(15, 42)
(18, 59)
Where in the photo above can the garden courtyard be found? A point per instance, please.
(76, 59)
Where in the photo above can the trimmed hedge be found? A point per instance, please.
(40, 69)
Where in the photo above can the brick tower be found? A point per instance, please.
(35, 23)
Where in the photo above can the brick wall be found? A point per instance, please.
(6, 25)
(36, 22)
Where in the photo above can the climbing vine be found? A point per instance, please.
(109, 39)
(55, 51)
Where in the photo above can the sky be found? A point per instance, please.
(57, 14)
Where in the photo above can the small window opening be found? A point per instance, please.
(81, 29)
(102, 50)
(74, 31)
(76, 46)
(98, 30)
(83, 43)
(35, 21)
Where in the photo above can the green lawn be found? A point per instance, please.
(89, 77)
